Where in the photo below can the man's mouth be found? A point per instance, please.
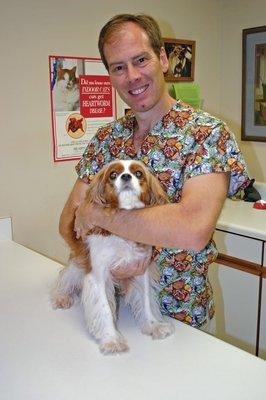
(137, 91)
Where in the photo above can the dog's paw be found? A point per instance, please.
(114, 346)
(158, 330)
(62, 301)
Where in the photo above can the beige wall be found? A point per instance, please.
(34, 188)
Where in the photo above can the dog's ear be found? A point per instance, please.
(156, 193)
(96, 190)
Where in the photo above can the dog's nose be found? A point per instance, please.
(126, 177)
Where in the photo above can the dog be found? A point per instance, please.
(122, 184)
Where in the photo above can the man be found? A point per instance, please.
(193, 155)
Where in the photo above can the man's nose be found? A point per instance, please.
(133, 73)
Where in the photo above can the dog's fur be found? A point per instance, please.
(125, 185)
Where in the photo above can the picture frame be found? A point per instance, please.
(253, 119)
(181, 57)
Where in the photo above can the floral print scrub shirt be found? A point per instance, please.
(183, 144)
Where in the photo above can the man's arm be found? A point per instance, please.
(188, 224)
(67, 218)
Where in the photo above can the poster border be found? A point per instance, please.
(55, 144)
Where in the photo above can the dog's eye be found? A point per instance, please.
(113, 175)
(138, 174)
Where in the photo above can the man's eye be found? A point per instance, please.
(118, 68)
(138, 174)
(113, 175)
(142, 60)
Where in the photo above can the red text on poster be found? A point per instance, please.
(95, 96)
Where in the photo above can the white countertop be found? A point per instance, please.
(48, 355)
(240, 217)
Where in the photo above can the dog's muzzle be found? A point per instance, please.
(126, 177)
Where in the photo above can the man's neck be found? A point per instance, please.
(146, 120)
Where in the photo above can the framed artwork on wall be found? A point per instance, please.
(253, 124)
(181, 57)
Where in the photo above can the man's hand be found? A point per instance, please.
(84, 216)
(131, 270)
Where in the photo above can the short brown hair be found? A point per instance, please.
(146, 22)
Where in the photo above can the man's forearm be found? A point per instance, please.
(67, 218)
(164, 226)
(188, 224)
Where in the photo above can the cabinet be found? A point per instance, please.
(262, 347)
(238, 246)
(236, 299)
(237, 278)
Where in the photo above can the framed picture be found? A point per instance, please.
(181, 57)
(253, 124)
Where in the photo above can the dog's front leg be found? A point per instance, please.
(98, 299)
(67, 286)
(141, 299)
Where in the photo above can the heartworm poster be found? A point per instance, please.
(82, 100)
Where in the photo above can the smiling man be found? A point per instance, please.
(193, 154)
(136, 71)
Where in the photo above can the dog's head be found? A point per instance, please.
(126, 184)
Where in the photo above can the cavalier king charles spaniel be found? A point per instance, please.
(126, 185)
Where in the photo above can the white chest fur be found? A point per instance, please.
(129, 200)
(108, 252)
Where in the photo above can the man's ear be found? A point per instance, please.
(164, 60)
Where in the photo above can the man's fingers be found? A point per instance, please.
(128, 271)
(77, 234)
(122, 272)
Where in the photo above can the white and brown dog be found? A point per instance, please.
(125, 185)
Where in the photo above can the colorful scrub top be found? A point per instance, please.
(183, 144)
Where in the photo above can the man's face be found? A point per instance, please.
(135, 70)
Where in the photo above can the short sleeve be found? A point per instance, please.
(95, 155)
(214, 149)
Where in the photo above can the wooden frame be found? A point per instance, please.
(253, 124)
(181, 57)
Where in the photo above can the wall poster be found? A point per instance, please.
(82, 100)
